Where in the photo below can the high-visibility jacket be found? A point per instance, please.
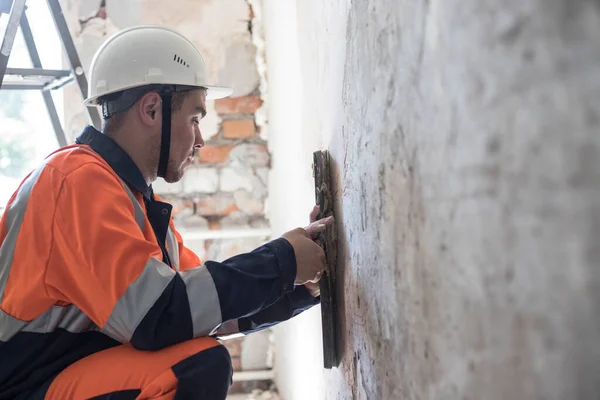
(90, 259)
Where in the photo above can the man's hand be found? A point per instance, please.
(313, 229)
(310, 257)
(315, 226)
(314, 288)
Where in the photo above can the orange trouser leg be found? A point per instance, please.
(198, 368)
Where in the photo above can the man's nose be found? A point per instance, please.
(199, 141)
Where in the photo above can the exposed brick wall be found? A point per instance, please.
(227, 185)
(238, 105)
(234, 346)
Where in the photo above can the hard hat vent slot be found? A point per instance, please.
(179, 60)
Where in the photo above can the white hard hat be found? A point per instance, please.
(148, 55)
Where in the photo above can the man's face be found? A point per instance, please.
(186, 138)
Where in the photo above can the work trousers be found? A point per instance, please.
(195, 369)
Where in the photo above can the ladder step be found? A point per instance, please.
(5, 6)
(35, 78)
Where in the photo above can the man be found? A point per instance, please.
(99, 298)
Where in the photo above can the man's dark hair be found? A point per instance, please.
(112, 121)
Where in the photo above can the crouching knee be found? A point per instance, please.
(206, 374)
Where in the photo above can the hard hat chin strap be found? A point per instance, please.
(165, 143)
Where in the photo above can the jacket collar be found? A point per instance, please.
(117, 158)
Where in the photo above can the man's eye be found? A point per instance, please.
(196, 120)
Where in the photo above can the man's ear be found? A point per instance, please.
(150, 108)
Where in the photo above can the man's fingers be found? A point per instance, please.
(314, 213)
(319, 226)
(317, 277)
(303, 232)
(327, 221)
(314, 229)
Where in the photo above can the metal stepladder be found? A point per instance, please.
(38, 78)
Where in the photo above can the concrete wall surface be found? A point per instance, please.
(465, 136)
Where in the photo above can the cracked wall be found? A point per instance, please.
(466, 148)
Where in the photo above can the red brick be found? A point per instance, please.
(238, 129)
(236, 363)
(213, 154)
(234, 346)
(248, 203)
(238, 105)
(179, 205)
(237, 388)
(214, 225)
(216, 205)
